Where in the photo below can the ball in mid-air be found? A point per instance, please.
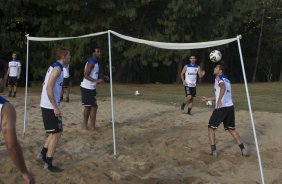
(215, 56)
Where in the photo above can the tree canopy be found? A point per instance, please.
(158, 20)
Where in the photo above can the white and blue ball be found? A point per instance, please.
(215, 56)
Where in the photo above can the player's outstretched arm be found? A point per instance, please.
(13, 147)
(204, 98)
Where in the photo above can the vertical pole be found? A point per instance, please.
(26, 84)
(250, 110)
(112, 98)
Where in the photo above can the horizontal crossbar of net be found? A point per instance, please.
(163, 45)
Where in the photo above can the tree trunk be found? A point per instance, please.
(202, 62)
(120, 72)
(179, 70)
(258, 49)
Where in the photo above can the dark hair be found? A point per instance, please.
(3, 68)
(61, 52)
(221, 66)
(14, 52)
(192, 55)
(93, 48)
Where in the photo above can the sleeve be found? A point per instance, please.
(19, 63)
(94, 61)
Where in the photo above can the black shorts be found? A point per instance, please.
(225, 115)
(88, 97)
(190, 91)
(12, 81)
(52, 124)
(66, 82)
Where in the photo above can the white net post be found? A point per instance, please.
(250, 109)
(26, 84)
(112, 98)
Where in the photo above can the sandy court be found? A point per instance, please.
(156, 143)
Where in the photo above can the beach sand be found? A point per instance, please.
(156, 143)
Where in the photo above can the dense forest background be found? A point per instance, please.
(258, 21)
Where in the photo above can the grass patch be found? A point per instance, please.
(264, 96)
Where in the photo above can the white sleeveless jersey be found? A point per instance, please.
(14, 66)
(2, 101)
(45, 102)
(93, 74)
(227, 97)
(191, 75)
(66, 71)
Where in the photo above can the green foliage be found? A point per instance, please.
(158, 20)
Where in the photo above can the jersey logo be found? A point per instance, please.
(192, 73)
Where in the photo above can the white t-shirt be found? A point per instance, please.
(191, 75)
(227, 97)
(93, 74)
(45, 101)
(14, 66)
(66, 71)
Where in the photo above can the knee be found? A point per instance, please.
(230, 130)
(211, 128)
(57, 135)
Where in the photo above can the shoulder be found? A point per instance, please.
(57, 65)
(92, 60)
(192, 66)
(8, 110)
(221, 78)
(2, 100)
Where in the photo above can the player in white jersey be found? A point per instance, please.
(50, 107)
(14, 72)
(224, 110)
(66, 83)
(191, 72)
(88, 89)
(8, 128)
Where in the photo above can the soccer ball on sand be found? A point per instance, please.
(136, 93)
(209, 103)
(215, 56)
